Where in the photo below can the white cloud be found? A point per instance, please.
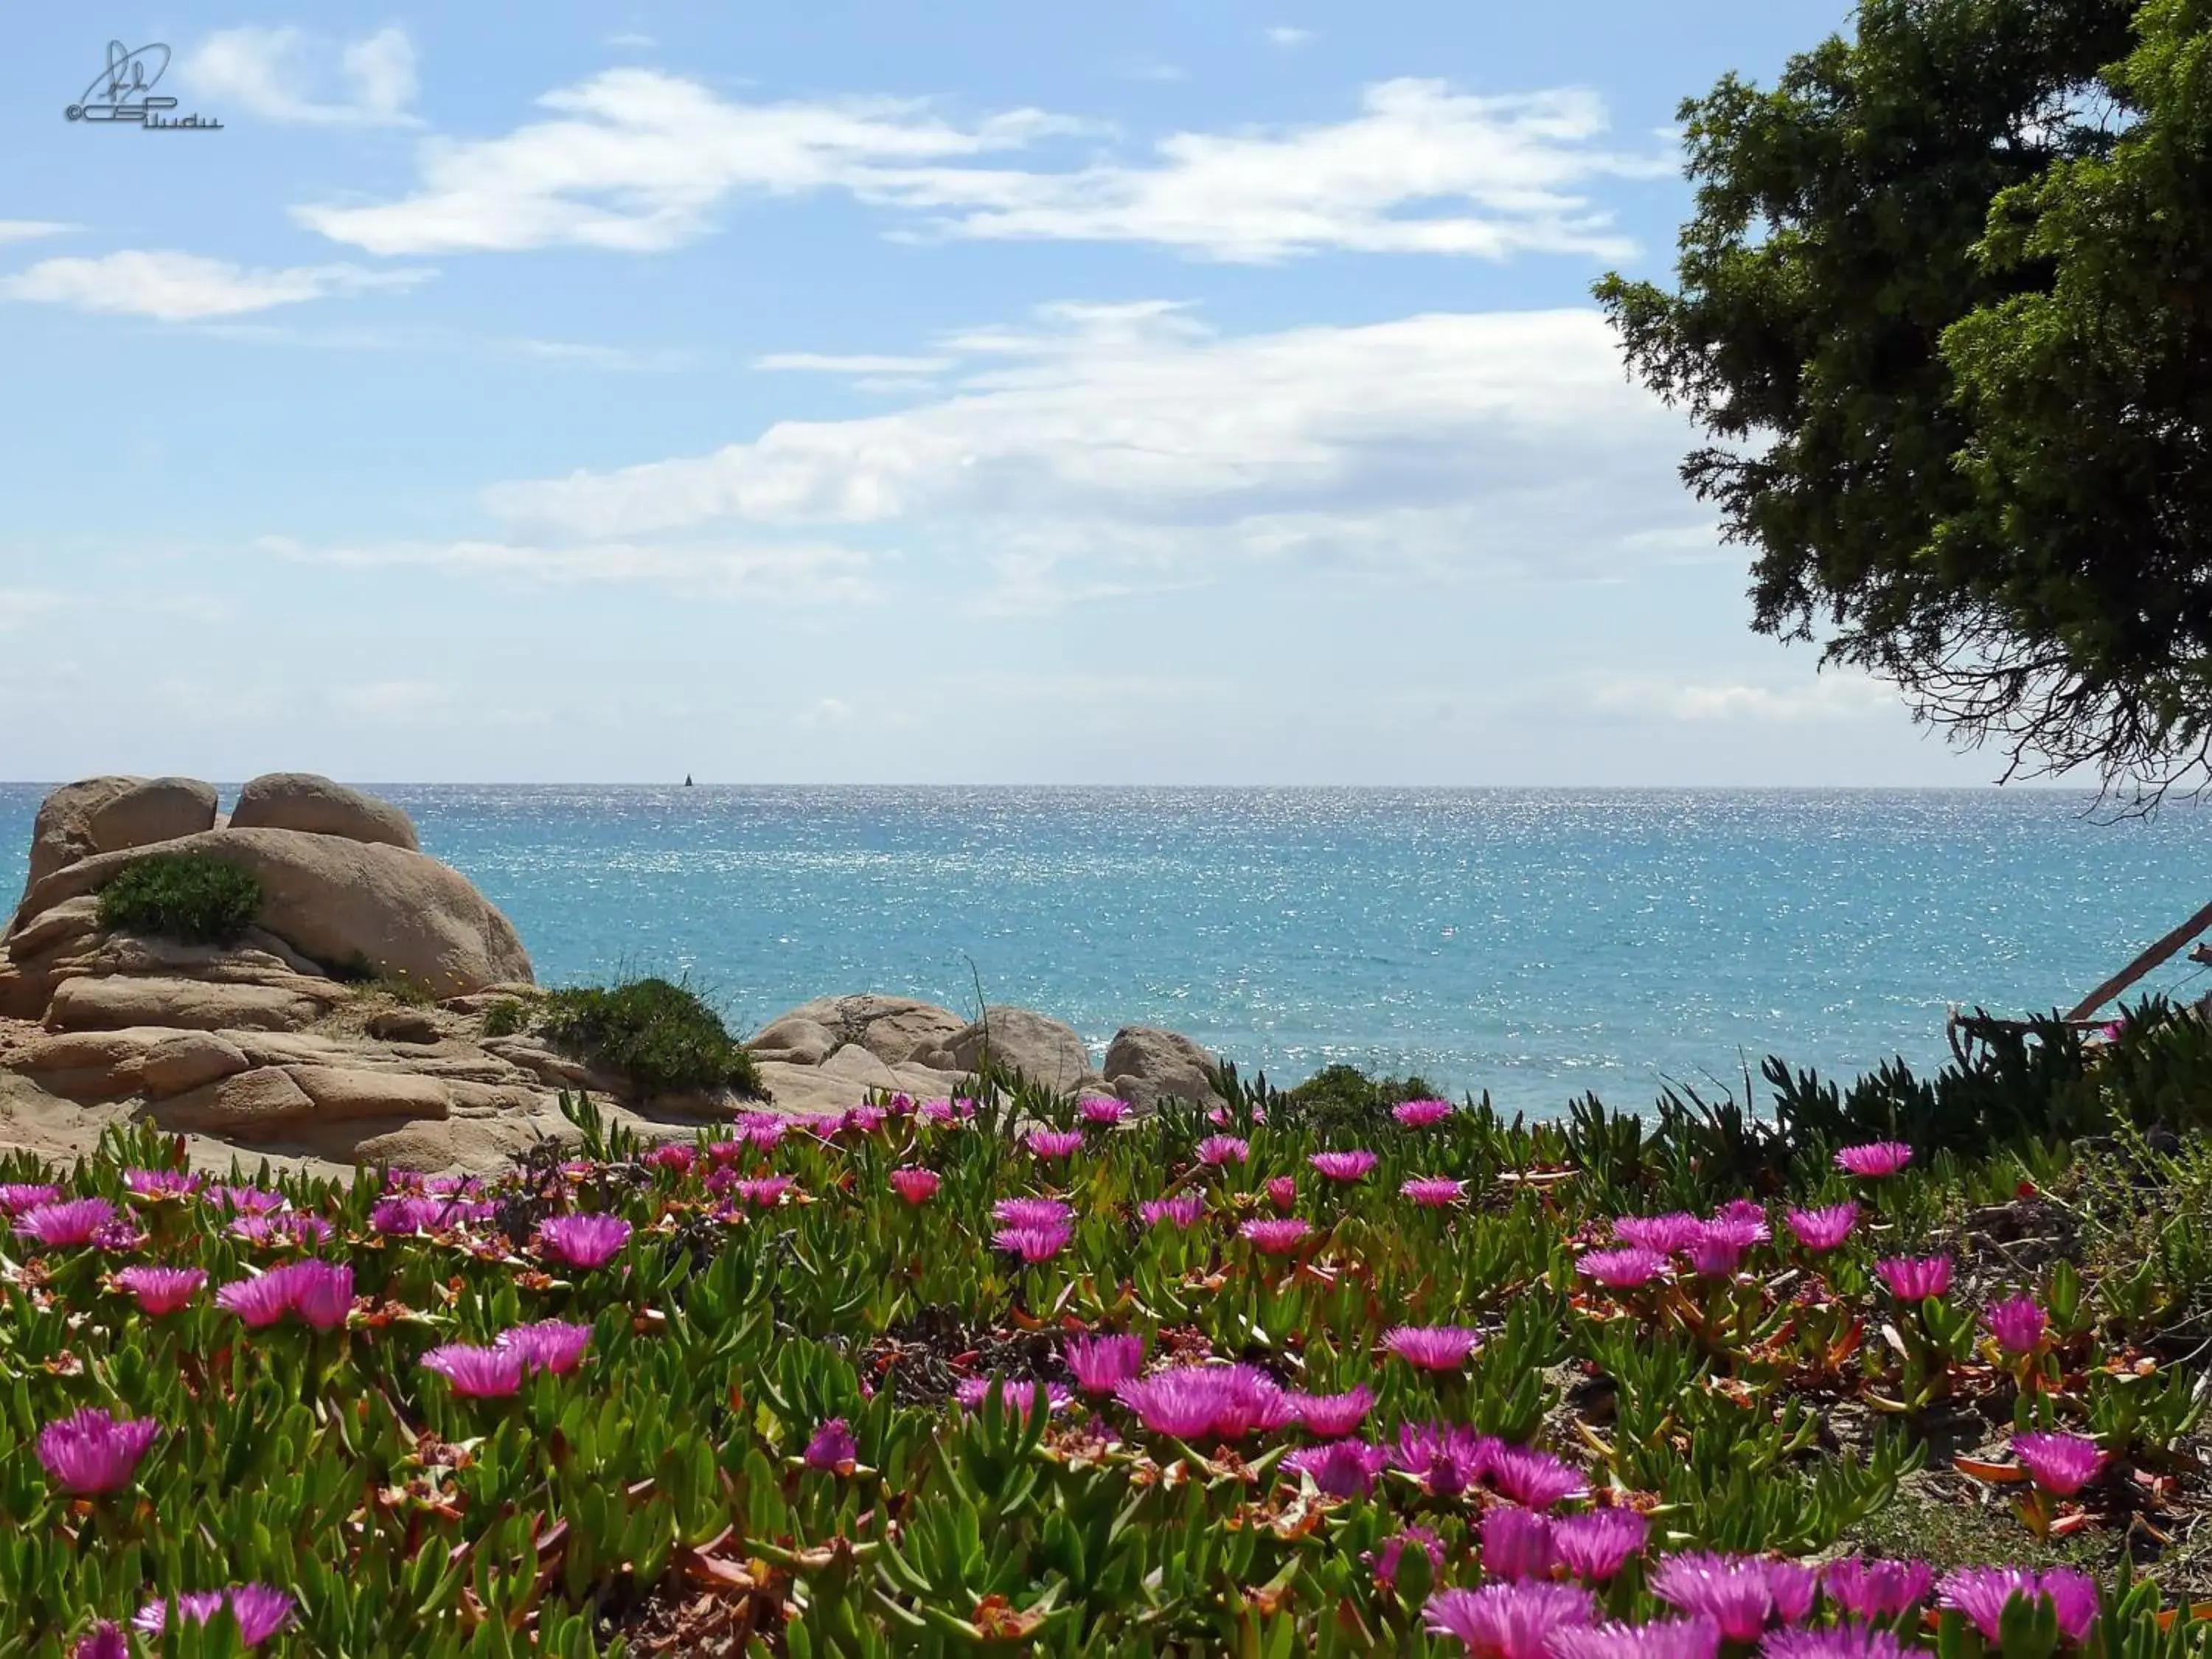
(824, 363)
(1831, 696)
(28, 230)
(1287, 37)
(795, 574)
(182, 286)
(287, 75)
(639, 161)
(658, 359)
(22, 606)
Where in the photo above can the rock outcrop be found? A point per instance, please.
(1041, 1048)
(309, 802)
(1146, 1066)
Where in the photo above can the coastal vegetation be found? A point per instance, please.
(193, 897)
(1026, 1373)
(663, 1036)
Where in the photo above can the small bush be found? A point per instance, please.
(190, 896)
(659, 1034)
(1344, 1097)
(503, 1018)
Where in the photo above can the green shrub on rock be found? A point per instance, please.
(190, 897)
(658, 1034)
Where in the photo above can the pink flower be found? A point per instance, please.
(1516, 1543)
(1743, 1211)
(674, 1157)
(1055, 1142)
(1838, 1642)
(1421, 1113)
(2061, 1464)
(2018, 1324)
(1330, 1415)
(17, 1196)
(1031, 1212)
(1102, 1111)
(1182, 1212)
(1283, 1192)
(1394, 1550)
(833, 1447)
(1277, 1235)
(1623, 1269)
(1342, 1469)
(764, 1192)
(490, 1373)
(259, 1611)
(1445, 1458)
(1660, 1638)
(162, 1289)
(1351, 1165)
(318, 1293)
(1916, 1278)
(104, 1640)
(284, 1229)
(1533, 1479)
(1823, 1229)
(1101, 1363)
(1865, 1589)
(1734, 1591)
(1033, 1243)
(1874, 1159)
(1432, 1347)
(1595, 1546)
(1718, 1249)
(66, 1222)
(245, 1201)
(583, 1242)
(162, 1183)
(1507, 1622)
(1663, 1235)
(1020, 1397)
(1982, 1593)
(1225, 1402)
(1216, 1150)
(866, 1120)
(548, 1344)
(90, 1452)
(915, 1185)
(1433, 1191)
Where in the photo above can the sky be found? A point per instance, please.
(968, 393)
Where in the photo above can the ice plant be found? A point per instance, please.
(1916, 1278)
(17, 1196)
(1516, 1543)
(490, 1373)
(914, 1184)
(2061, 1464)
(548, 1344)
(1717, 1250)
(106, 1640)
(1595, 1546)
(1823, 1229)
(1864, 1588)
(1445, 1458)
(1275, 1235)
(1014, 1397)
(1392, 1551)
(764, 1193)
(1432, 1347)
(1055, 1142)
(1421, 1113)
(1837, 1642)
(1216, 1150)
(1434, 1192)
(1664, 1234)
(1507, 1622)
(1626, 1269)
(1031, 1212)
(1181, 1211)
(1660, 1638)
(1874, 1159)
(245, 1201)
(1731, 1591)
(1982, 1593)
(2018, 1323)
(1222, 1402)
(162, 1289)
(583, 1242)
(259, 1611)
(1033, 1243)
(1283, 1192)
(1340, 1468)
(318, 1293)
(832, 1448)
(1333, 1414)
(90, 1452)
(1101, 1111)
(1352, 1165)
(675, 1157)
(64, 1223)
(1533, 1479)
(1101, 1363)
(162, 1183)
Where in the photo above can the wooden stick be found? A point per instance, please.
(2143, 965)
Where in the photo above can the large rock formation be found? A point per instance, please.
(1041, 1048)
(306, 800)
(1146, 1066)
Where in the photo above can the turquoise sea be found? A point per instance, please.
(1536, 944)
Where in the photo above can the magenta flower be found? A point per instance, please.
(1624, 1269)
(547, 1345)
(1283, 1192)
(1731, 1591)
(2061, 1464)
(1031, 1212)
(674, 1157)
(1033, 1243)
(405, 1214)
(162, 1289)
(1533, 1479)
(1660, 1638)
(1718, 1249)
(1394, 1550)
(318, 1293)
(1352, 1165)
(1507, 1622)
(1102, 1111)
(159, 1184)
(1225, 1402)
(66, 1223)
(1275, 1235)
(1434, 1192)
(832, 1448)
(1874, 1159)
(259, 1611)
(915, 1185)
(1421, 1113)
(1864, 1588)
(245, 1201)
(1055, 1142)
(1101, 1363)
(764, 1192)
(106, 1640)
(259, 1301)
(1823, 1229)
(1792, 1586)
(1982, 1593)
(1744, 1211)
(1432, 1347)
(866, 1120)
(583, 1242)
(1595, 1546)
(1216, 1150)
(490, 1373)
(1838, 1642)
(1341, 1468)
(1661, 1234)
(1182, 1212)
(1516, 1543)
(2017, 1322)
(1330, 1415)
(1916, 1278)
(1445, 1458)
(17, 1196)
(284, 1229)
(90, 1452)
(1013, 1396)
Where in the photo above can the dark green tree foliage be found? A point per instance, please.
(1942, 314)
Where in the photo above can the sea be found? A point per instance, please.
(1533, 945)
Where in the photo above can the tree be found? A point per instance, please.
(1944, 312)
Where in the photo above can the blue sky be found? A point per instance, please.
(839, 393)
